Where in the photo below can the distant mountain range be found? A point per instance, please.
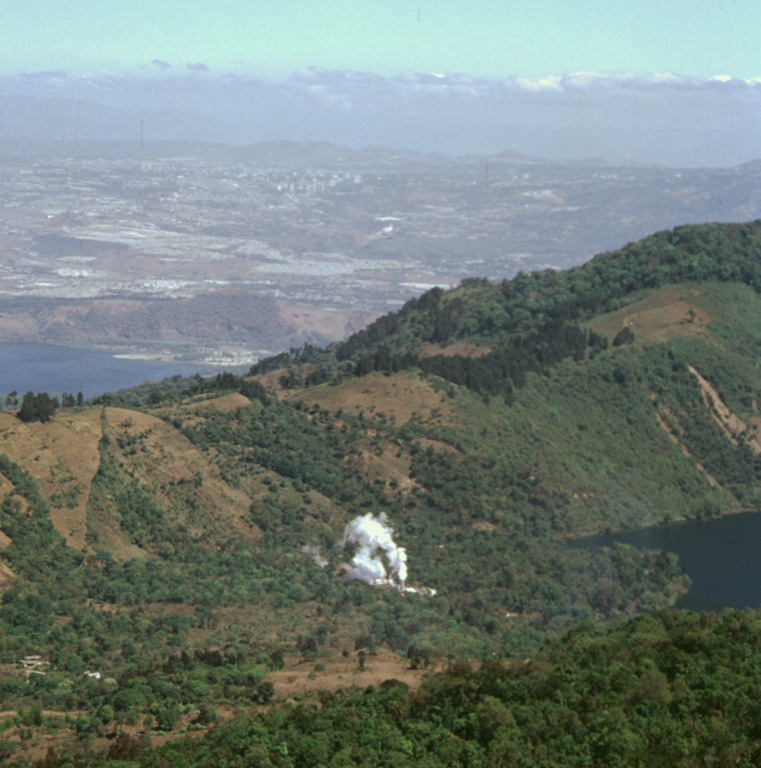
(295, 154)
(672, 120)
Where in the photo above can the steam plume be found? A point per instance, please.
(378, 560)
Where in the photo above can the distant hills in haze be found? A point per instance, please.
(667, 119)
(294, 154)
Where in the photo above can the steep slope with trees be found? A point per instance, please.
(202, 545)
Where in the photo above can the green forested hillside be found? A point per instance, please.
(526, 303)
(671, 690)
(188, 539)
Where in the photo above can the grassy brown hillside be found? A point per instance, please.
(62, 456)
(670, 311)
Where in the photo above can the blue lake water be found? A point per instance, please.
(721, 556)
(49, 368)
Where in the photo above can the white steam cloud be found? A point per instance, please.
(378, 560)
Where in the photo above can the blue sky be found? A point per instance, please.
(491, 39)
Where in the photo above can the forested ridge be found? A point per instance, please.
(184, 542)
(531, 321)
(670, 690)
(675, 689)
(698, 253)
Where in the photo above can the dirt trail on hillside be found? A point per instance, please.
(732, 426)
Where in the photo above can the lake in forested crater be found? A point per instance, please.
(722, 556)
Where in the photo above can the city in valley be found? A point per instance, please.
(215, 254)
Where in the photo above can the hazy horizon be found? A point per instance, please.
(678, 84)
(670, 120)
